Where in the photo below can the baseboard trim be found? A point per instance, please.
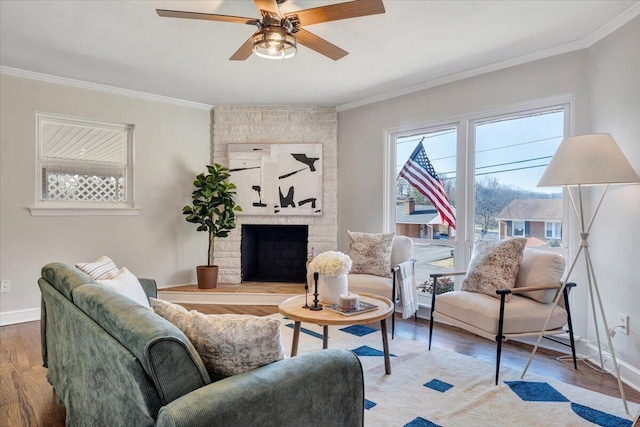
(630, 375)
(19, 316)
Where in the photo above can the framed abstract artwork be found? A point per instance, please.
(277, 179)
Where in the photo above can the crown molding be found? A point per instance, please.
(16, 72)
(613, 25)
(584, 43)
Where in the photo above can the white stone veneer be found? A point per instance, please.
(275, 125)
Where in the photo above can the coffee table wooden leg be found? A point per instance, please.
(296, 337)
(385, 347)
(325, 336)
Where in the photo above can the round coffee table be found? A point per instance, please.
(292, 308)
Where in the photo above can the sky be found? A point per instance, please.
(515, 151)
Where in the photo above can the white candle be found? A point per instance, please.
(350, 301)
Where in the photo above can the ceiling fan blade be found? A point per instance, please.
(268, 5)
(334, 12)
(204, 16)
(244, 52)
(320, 45)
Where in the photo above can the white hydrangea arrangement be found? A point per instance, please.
(331, 263)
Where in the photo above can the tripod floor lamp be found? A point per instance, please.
(587, 160)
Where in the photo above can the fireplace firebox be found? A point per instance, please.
(274, 253)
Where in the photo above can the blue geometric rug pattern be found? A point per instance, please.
(440, 388)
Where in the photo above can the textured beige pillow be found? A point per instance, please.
(540, 268)
(231, 344)
(174, 313)
(371, 253)
(228, 344)
(102, 269)
(494, 265)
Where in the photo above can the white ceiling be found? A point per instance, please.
(416, 43)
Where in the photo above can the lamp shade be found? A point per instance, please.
(588, 160)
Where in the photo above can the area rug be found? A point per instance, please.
(444, 388)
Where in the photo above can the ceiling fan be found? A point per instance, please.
(277, 35)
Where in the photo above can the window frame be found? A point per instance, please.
(44, 207)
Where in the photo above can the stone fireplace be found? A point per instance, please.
(274, 125)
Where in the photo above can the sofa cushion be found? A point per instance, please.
(164, 352)
(65, 278)
(125, 283)
(522, 314)
(229, 344)
(494, 266)
(102, 269)
(540, 268)
(371, 253)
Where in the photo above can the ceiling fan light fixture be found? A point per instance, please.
(274, 43)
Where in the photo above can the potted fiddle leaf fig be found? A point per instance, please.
(214, 211)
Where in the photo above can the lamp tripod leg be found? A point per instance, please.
(616, 367)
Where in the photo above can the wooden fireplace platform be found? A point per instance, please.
(248, 293)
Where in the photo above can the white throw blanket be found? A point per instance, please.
(406, 287)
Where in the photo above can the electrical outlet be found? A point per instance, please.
(623, 320)
(5, 286)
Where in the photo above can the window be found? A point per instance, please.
(511, 153)
(518, 228)
(83, 164)
(488, 166)
(425, 199)
(553, 230)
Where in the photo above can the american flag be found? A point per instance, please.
(420, 173)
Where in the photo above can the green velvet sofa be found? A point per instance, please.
(113, 363)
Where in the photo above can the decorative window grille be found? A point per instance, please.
(83, 161)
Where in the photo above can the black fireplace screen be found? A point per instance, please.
(274, 253)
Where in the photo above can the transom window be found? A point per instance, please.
(84, 163)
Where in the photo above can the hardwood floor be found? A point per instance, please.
(27, 399)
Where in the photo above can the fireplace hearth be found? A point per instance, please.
(274, 253)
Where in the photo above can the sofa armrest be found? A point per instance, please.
(321, 388)
(149, 286)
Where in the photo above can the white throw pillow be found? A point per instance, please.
(494, 266)
(228, 344)
(370, 253)
(540, 268)
(125, 283)
(102, 269)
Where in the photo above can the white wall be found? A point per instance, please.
(172, 144)
(614, 90)
(605, 84)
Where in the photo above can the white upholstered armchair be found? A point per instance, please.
(518, 311)
(401, 251)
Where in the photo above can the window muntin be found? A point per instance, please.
(84, 163)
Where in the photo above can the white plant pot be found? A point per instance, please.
(331, 287)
